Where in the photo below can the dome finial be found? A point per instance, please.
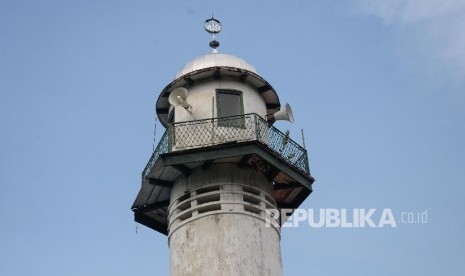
(213, 27)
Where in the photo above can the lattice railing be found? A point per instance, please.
(161, 148)
(209, 132)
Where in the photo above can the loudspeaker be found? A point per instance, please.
(284, 114)
(179, 97)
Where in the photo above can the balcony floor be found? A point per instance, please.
(291, 185)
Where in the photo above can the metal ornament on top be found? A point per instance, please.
(213, 27)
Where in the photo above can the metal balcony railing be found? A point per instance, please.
(242, 128)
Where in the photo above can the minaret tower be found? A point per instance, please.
(219, 166)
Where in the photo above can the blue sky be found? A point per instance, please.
(377, 86)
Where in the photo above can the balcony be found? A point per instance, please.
(247, 140)
(235, 129)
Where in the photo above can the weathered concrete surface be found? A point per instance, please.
(226, 241)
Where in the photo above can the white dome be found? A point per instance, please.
(215, 60)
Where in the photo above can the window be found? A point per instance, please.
(229, 103)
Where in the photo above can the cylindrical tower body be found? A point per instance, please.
(217, 223)
(216, 216)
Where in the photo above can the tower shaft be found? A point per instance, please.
(217, 223)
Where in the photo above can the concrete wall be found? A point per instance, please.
(217, 224)
(202, 92)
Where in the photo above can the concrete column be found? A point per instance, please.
(217, 223)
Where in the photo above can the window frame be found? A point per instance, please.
(227, 123)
